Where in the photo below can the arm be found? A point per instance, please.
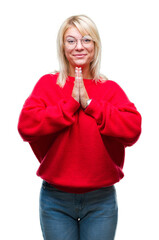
(40, 117)
(118, 118)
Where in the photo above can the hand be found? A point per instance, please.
(79, 92)
(83, 95)
(76, 88)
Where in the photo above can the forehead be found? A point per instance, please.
(74, 32)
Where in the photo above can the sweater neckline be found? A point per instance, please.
(87, 80)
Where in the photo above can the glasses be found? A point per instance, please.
(71, 42)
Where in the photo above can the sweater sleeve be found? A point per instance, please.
(117, 118)
(39, 118)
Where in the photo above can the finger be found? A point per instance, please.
(80, 72)
(81, 77)
(76, 77)
(76, 73)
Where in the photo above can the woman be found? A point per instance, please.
(78, 124)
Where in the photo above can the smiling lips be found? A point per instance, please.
(79, 55)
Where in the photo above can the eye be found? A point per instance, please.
(71, 41)
(86, 40)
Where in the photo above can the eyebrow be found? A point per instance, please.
(70, 36)
(82, 37)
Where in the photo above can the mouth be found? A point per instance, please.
(79, 55)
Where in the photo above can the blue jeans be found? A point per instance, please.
(70, 216)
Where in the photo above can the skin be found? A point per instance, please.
(79, 60)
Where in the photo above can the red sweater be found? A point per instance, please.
(79, 150)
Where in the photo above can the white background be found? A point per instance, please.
(130, 56)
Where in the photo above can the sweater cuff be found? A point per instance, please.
(71, 105)
(94, 110)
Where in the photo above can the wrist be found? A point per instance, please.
(88, 101)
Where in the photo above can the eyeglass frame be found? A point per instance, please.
(76, 40)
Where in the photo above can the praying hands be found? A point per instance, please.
(79, 92)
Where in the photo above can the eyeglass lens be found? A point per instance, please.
(72, 42)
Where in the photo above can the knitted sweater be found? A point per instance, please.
(79, 150)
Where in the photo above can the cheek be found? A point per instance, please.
(67, 53)
(92, 52)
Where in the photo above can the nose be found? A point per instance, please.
(79, 45)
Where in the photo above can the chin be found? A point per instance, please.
(80, 64)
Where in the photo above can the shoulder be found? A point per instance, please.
(48, 78)
(112, 85)
(45, 83)
(115, 90)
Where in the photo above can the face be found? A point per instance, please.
(80, 54)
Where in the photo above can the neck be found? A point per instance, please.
(85, 72)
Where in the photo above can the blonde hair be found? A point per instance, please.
(85, 26)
